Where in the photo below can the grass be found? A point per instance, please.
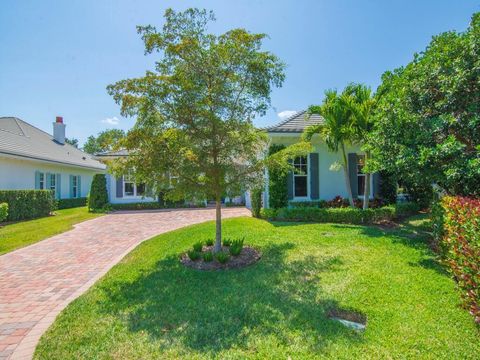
(150, 306)
(23, 233)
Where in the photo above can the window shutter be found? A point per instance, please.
(352, 171)
(314, 181)
(58, 187)
(119, 186)
(47, 181)
(376, 184)
(37, 180)
(71, 186)
(290, 185)
(79, 186)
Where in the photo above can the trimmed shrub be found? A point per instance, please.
(333, 215)
(222, 257)
(460, 247)
(314, 203)
(71, 203)
(153, 205)
(256, 202)
(3, 211)
(277, 182)
(407, 209)
(28, 204)
(98, 197)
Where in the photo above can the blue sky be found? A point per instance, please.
(58, 56)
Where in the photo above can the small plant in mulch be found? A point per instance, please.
(234, 254)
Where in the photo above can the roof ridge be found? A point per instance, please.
(283, 122)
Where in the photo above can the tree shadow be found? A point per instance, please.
(214, 311)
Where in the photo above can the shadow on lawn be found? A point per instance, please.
(213, 311)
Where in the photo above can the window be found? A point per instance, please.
(53, 182)
(300, 176)
(360, 175)
(130, 188)
(41, 178)
(74, 186)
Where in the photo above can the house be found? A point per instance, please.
(33, 159)
(317, 178)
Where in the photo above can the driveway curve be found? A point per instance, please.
(37, 282)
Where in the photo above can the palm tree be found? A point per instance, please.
(361, 103)
(336, 130)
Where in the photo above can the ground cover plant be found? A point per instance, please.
(23, 233)
(151, 306)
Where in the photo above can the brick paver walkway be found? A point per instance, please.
(38, 281)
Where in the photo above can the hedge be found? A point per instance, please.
(256, 201)
(28, 204)
(3, 211)
(98, 197)
(457, 224)
(71, 203)
(345, 215)
(152, 205)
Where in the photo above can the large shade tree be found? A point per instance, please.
(428, 116)
(194, 111)
(106, 140)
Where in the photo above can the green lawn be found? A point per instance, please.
(150, 307)
(23, 233)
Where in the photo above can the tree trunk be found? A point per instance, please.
(366, 192)
(347, 177)
(218, 225)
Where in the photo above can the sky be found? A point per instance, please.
(58, 56)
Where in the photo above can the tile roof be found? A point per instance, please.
(22, 139)
(296, 123)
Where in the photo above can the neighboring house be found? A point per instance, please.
(33, 159)
(124, 189)
(316, 178)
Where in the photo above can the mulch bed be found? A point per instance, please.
(247, 257)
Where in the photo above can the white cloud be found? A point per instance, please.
(111, 121)
(286, 114)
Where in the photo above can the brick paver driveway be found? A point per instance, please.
(38, 281)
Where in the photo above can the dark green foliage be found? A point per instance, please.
(98, 197)
(198, 246)
(407, 209)
(222, 257)
(209, 242)
(207, 256)
(3, 211)
(105, 141)
(277, 182)
(301, 204)
(193, 255)
(28, 204)
(388, 187)
(71, 203)
(428, 117)
(227, 242)
(256, 202)
(236, 247)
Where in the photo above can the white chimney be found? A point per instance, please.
(59, 130)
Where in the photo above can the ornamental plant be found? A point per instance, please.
(98, 197)
(460, 247)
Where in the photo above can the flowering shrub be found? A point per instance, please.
(460, 245)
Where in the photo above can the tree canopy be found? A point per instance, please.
(428, 115)
(106, 140)
(194, 110)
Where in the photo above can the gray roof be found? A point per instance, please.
(22, 139)
(296, 123)
(115, 153)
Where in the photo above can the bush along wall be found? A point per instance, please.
(98, 197)
(3, 211)
(28, 204)
(277, 183)
(71, 203)
(459, 224)
(152, 205)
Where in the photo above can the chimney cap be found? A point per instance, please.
(59, 119)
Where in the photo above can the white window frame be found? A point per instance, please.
(53, 180)
(75, 186)
(41, 181)
(128, 179)
(363, 175)
(307, 176)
